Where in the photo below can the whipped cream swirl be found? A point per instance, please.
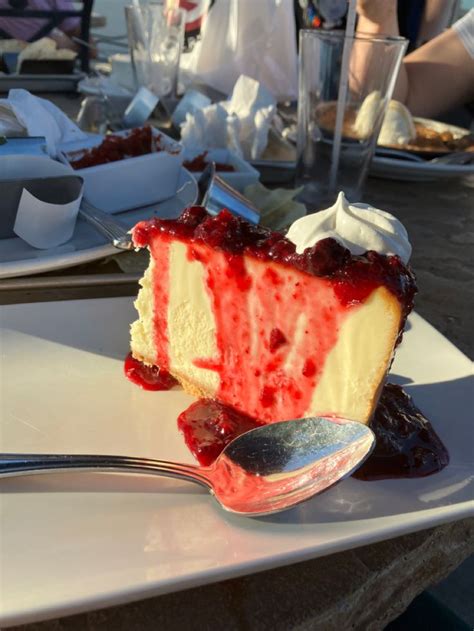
(358, 227)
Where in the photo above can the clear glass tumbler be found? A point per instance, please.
(155, 39)
(373, 64)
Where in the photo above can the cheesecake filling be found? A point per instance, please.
(238, 315)
(266, 366)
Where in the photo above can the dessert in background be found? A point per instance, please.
(45, 48)
(44, 56)
(398, 127)
(400, 130)
(276, 327)
(139, 142)
(366, 117)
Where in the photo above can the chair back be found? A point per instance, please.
(54, 18)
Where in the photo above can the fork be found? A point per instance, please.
(109, 227)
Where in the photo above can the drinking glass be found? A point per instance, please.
(372, 64)
(155, 39)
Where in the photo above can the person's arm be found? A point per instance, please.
(433, 78)
(440, 75)
(379, 17)
(437, 16)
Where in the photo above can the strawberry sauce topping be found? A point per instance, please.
(356, 276)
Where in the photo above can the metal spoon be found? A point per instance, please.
(266, 470)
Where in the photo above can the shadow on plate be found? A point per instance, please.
(101, 326)
(97, 483)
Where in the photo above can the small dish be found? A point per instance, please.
(130, 182)
(17, 258)
(241, 175)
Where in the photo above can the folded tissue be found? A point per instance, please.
(40, 200)
(241, 124)
(23, 114)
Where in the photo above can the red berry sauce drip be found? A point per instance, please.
(208, 426)
(147, 377)
(138, 142)
(407, 445)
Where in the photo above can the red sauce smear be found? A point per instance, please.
(208, 426)
(138, 142)
(407, 445)
(200, 162)
(148, 377)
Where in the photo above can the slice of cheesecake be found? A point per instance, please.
(234, 313)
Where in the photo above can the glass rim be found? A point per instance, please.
(341, 35)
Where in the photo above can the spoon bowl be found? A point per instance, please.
(265, 470)
(275, 467)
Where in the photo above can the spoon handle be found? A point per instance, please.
(27, 464)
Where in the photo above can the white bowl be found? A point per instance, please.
(130, 183)
(243, 175)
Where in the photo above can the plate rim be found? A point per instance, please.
(412, 522)
(430, 519)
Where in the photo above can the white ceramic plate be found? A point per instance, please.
(439, 127)
(397, 169)
(17, 258)
(73, 542)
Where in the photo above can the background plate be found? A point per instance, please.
(17, 258)
(72, 542)
(41, 82)
(396, 169)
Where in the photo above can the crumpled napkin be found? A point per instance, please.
(27, 115)
(242, 123)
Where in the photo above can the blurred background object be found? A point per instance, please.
(363, 106)
(155, 38)
(31, 20)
